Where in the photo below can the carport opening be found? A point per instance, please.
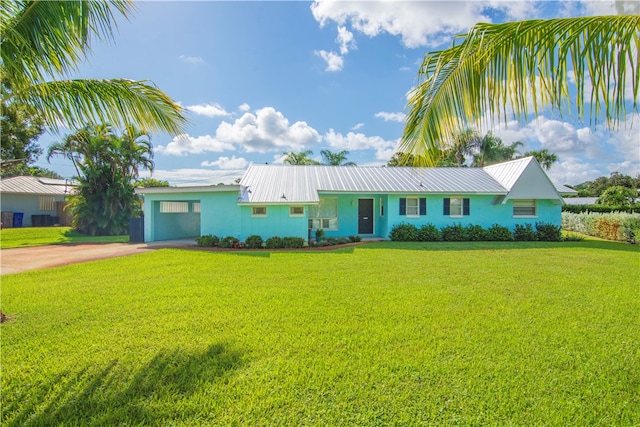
(176, 219)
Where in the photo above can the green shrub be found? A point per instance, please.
(274, 242)
(292, 242)
(404, 233)
(499, 233)
(428, 233)
(548, 232)
(601, 208)
(475, 233)
(454, 233)
(208, 240)
(568, 236)
(523, 233)
(319, 234)
(621, 226)
(355, 238)
(229, 242)
(631, 230)
(254, 242)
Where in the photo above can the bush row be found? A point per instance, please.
(458, 233)
(600, 208)
(275, 242)
(620, 226)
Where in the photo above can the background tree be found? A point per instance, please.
(151, 182)
(42, 42)
(492, 150)
(544, 157)
(596, 187)
(301, 158)
(107, 165)
(498, 69)
(618, 196)
(338, 158)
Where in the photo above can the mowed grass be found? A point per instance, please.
(39, 236)
(379, 334)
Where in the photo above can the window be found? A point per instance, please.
(259, 211)
(524, 208)
(381, 206)
(47, 203)
(456, 206)
(413, 206)
(196, 207)
(296, 210)
(174, 207)
(324, 215)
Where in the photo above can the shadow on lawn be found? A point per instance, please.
(112, 395)
(470, 246)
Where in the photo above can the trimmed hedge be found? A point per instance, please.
(457, 233)
(620, 226)
(601, 208)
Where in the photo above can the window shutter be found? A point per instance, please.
(423, 206)
(465, 206)
(403, 206)
(447, 206)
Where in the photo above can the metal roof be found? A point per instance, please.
(507, 173)
(301, 184)
(36, 185)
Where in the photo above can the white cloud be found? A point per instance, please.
(191, 59)
(334, 61)
(417, 23)
(267, 130)
(185, 144)
(358, 126)
(390, 117)
(244, 107)
(208, 110)
(357, 141)
(345, 40)
(227, 163)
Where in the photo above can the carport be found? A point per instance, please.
(176, 219)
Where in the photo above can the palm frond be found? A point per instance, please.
(498, 69)
(41, 39)
(118, 102)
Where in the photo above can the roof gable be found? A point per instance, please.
(525, 179)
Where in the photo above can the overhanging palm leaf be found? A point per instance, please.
(501, 67)
(116, 101)
(42, 41)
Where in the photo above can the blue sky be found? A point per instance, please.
(262, 78)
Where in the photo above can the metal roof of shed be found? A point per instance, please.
(36, 185)
(301, 184)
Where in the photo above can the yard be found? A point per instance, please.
(386, 333)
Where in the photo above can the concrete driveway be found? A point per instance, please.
(17, 260)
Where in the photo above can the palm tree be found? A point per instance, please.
(497, 66)
(544, 157)
(301, 158)
(492, 150)
(107, 165)
(338, 158)
(43, 41)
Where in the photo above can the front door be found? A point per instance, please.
(365, 216)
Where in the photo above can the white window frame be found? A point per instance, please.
(259, 211)
(326, 223)
(522, 208)
(47, 203)
(293, 213)
(171, 207)
(416, 212)
(458, 205)
(196, 207)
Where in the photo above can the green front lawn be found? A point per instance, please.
(39, 236)
(380, 334)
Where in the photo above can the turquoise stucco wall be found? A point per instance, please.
(482, 212)
(221, 215)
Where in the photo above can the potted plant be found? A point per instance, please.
(319, 234)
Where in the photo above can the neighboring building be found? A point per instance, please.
(580, 200)
(350, 200)
(32, 201)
